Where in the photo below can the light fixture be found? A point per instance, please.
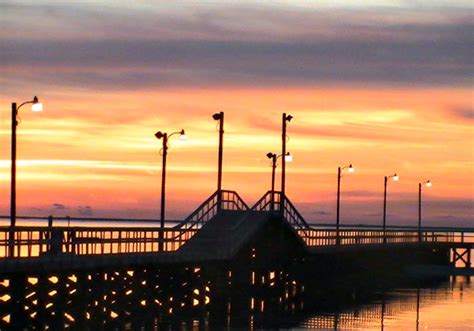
(217, 116)
(164, 153)
(396, 178)
(159, 135)
(428, 184)
(350, 168)
(289, 118)
(288, 157)
(36, 106)
(270, 155)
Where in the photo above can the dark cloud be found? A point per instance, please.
(320, 213)
(429, 54)
(464, 113)
(362, 194)
(85, 211)
(59, 206)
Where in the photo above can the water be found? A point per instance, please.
(445, 305)
(424, 305)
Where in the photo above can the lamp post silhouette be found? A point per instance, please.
(164, 152)
(36, 106)
(285, 118)
(289, 158)
(350, 169)
(420, 185)
(386, 178)
(220, 117)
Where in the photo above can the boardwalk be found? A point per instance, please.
(81, 276)
(217, 229)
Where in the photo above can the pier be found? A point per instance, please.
(70, 276)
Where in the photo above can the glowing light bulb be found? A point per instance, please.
(36, 106)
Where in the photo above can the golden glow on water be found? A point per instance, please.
(443, 306)
(5, 298)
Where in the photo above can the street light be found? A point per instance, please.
(164, 152)
(285, 118)
(350, 169)
(220, 117)
(288, 158)
(386, 178)
(36, 106)
(427, 184)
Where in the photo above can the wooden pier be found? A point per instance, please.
(57, 276)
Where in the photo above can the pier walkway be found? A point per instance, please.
(217, 230)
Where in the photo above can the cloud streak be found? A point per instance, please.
(214, 46)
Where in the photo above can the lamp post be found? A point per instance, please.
(36, 106)
(420, 185)
(285, 118)
(288, 157)
(164, 152)
(350, 169)
(386, 178)
(220, 117)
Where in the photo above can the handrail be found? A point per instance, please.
(31, 241)
(271, 201)
(394, 227)
(34, 241)
(299, 219)
(229, 200)
(323, 237)
(268, 202)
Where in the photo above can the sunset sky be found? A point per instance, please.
(384, 85)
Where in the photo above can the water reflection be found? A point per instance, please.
(446, 305)
(142, 300)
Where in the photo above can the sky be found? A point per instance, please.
(384, 85)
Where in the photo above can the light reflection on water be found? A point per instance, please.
(446, 306)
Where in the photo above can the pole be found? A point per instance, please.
(417, 308)
(11, 240)
(338, 204)
(274, 159)
(419, 212)
(163, 186)
(384, 208)
(283, 164)
(220, 158)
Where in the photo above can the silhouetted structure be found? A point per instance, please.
(81, 276)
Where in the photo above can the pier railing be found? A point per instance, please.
(353, 236)
(272, 201)
(223, 200)
(33, 241)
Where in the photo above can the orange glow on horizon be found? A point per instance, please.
(106, 143)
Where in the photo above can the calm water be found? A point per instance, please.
(448, 305)
(428, 305)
